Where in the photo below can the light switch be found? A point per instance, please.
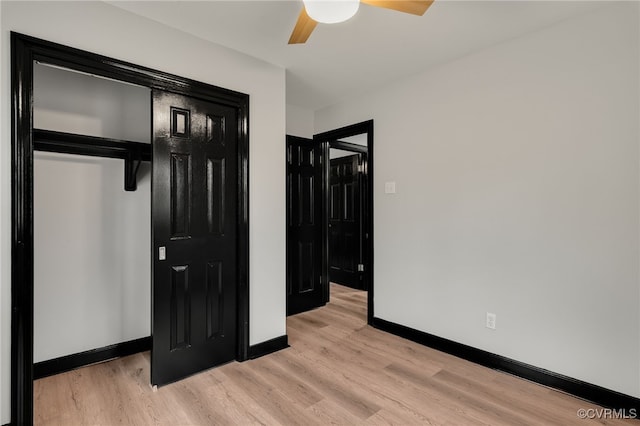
(389, 187)
(162, 253)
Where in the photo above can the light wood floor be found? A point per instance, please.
(337, 371)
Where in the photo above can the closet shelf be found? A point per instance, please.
(133, 153)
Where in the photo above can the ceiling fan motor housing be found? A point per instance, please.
(331, 11)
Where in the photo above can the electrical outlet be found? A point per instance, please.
(491, 321)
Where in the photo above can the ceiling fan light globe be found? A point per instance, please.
(331, 11)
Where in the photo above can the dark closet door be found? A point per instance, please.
(305, 289)
(345, 230)
(194, 209)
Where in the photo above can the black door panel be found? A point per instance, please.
(194, 205)
(305, 289)
(345, 224)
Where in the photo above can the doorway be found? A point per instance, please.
(25, 51)
(347, 182)
(309, 188)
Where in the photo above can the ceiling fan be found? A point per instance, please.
(333, 11)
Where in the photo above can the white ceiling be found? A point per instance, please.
(375, 47)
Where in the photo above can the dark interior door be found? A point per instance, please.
(305, 289)
(345, 223)
(194, 209)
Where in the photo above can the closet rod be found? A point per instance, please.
(70, 143)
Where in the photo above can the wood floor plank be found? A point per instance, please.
(239, 406)
(327, 412)
(338, 371)
(269, 398)
(294, 389)
(330, 382)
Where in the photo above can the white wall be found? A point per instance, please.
(74, 102)
(110, 31)
(92, 283)
(299, 121)
(517, 176)
(92, 268)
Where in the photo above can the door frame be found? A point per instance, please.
(24, 51)
(332, 139)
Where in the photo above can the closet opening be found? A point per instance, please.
(91, 217)
(61, 148)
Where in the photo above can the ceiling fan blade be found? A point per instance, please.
(303, 29)
(415, 7)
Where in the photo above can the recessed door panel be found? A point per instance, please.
(306, 269)
(215, 300)
(180, 195)
(307, 200)
(334, 171)
(215, 129)
(335, 202)
(215, 195)
(348, 202)
(180, 122)
(306, 156)
(180, 308)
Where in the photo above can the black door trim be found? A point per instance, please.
(270, 346)
(628, 405)
(24, 51)
(332, 138)
(92, 356)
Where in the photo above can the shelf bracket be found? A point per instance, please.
(131, 173)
